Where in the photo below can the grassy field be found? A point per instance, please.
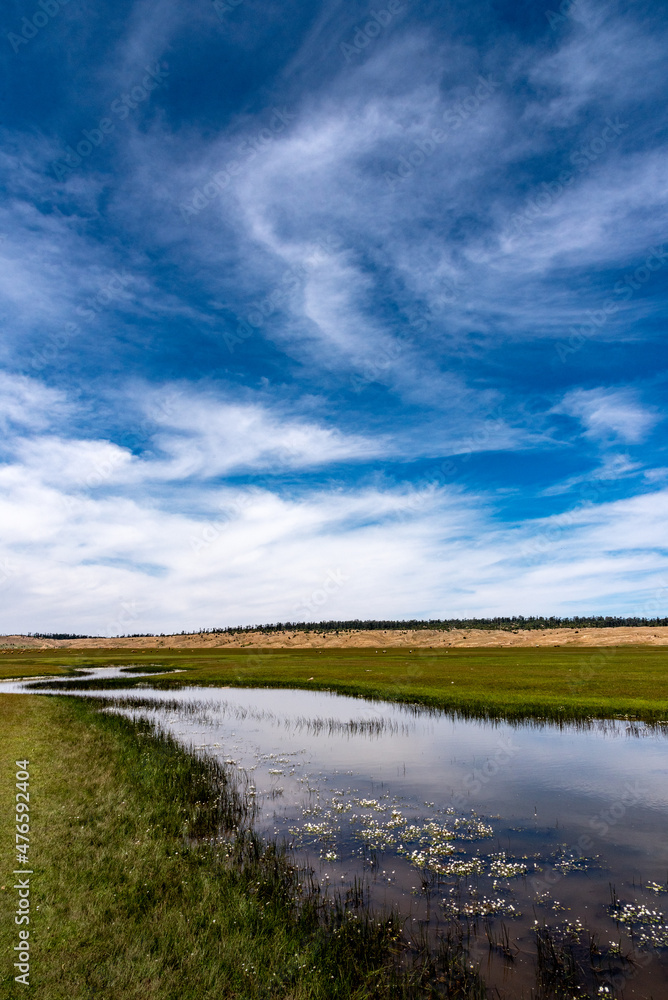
(556, 683)
(133, 896)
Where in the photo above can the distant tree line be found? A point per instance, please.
(60, 635)
(444, 624)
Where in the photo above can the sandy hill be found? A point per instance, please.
(417, 638)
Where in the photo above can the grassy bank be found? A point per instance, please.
(133, 895)
(556, 683)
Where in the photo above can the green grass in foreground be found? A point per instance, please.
(132, 897)
(559, 683)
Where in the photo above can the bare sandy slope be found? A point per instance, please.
(360, 638)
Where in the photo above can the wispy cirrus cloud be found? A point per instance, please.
(381, 259)
(610, 414)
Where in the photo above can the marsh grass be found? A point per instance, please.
(500, 941)
(442, 968)
(561, 684)
(570, 965)
(147, 668)
(150, 881)
(211, 712)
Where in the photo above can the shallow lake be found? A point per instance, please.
(503, 827)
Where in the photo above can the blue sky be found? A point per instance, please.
(331, 310)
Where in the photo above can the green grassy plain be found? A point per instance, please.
(539, 682)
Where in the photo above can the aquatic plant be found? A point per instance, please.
(501, 867)
(483, 906)
(649, 924)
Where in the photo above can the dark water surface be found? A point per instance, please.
(504, 827)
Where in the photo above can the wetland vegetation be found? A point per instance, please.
(170, 891)
(556, 683)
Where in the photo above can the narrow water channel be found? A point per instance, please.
(510, 830)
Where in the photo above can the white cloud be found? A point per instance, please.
(69, 463)
(192, 433)
(609, 414)
(28, 403)
(206, 437)
(111, 562)
(602, 57)
(614, 467)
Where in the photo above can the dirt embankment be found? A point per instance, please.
(418, 638)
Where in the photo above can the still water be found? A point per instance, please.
(503, 827)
